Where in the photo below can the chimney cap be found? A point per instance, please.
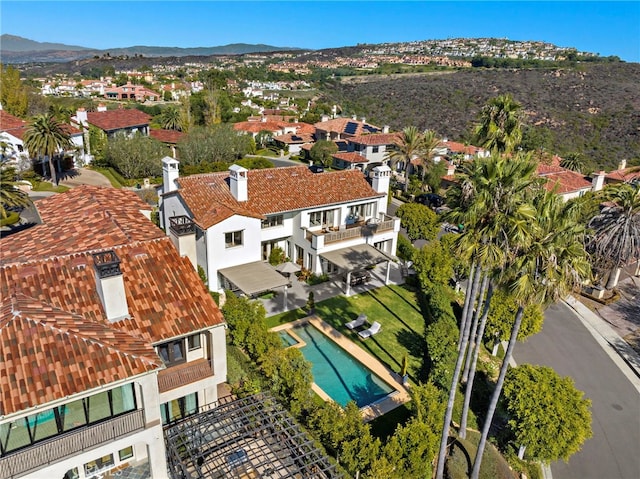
(107, 263)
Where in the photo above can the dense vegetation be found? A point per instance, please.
(593, 109)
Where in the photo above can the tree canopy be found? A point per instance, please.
(419, 221)
(547, 414)
(502, 313)
(136, 157)
(321, 152)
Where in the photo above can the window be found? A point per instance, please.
(233, 239)
(90, 468)
(319, 218)
(172, 352)
(125, 453)
(375, 149)
(361, 211)
(272, 221)
(193, 342)
(179, 408)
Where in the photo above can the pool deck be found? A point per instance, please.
(377, 409)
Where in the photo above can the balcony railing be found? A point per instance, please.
(60, 447)
(183, 374)
(349, 232)
(182, 225)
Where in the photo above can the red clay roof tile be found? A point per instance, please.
(110, 120)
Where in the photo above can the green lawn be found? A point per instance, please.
(48, 186)
(394, 307)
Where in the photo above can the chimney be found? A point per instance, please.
(451, 169)
(622, 165)
(101, 107)
(182, 231)
(263, 119)
(385, 129)
(363, 119)
(170, 174)
(110, 285)
(381, 179)
(598, 181)
(238, 182)
(81, 116)
(324, 118)
(354, 117)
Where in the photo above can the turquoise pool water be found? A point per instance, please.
(287, 339)
(338, 373)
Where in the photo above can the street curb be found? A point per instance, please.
(627, 360)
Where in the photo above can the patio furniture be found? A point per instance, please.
(374, 329)
(356, 323)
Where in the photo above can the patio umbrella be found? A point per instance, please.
(288, 267)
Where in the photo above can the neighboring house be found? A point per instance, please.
(111, 122)
(12, 130)
(294, 141)
(624, 174)
(365, 152)
(326, 222)
(342, 128)
(566, 183)
(452, 149)
(169, 137)
(107, 334)
(275, 127)
(131, 92)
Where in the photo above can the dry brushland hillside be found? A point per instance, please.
(593, 109)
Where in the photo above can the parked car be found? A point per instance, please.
(317, 168)
(430, 199)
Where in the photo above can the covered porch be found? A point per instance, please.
(254, 278)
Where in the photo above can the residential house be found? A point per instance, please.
(327, 222)
(342, 128)
(365, 152)
(454, 149)
(107, 334)
(623, 174)
(112, 122)
(276, 127)
(169, 137)
(294, 142)
(131, 92)
(12, 130)
(566, 183)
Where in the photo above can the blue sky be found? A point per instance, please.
(607, 28)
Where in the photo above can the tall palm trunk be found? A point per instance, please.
(496, 393)
(467, 298)
(464, 334)
(52, 171)
(474, 328)
(468, 308)
(474, 362)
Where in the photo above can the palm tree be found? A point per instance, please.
(409, 146)
(430, 142)
(544, 269)
(615, 240)
(500, 126)
(171, 118)
(573, 162)
(46, 137)
(10, 195)
(491, 200)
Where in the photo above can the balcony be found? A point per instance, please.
(182, 225)
(183, 374)
(372, 227)
(69, 444)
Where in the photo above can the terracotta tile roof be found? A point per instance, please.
(117, 119)
(82, 219)
(566, 182)
(377, 139)
(167, 136)
(295, 138)
(71, 130)
(272, 190)
(456, 147)
(628, 174)
(8, 121)
(350, 157)
(49, 354)
(346, 126)
(273, 126)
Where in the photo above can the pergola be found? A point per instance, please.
(251, 437)
(254, 278)
(357, 257)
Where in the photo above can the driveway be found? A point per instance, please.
(83, 176)
(567, 346)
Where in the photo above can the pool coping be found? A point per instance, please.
(398, 397)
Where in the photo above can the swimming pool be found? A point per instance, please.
(342, 377)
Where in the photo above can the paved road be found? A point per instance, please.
(568, 347)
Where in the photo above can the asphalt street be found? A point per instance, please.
(569, 348)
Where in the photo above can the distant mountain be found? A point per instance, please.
(14, 49)
(13, 43)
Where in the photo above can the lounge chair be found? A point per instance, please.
(356, 323)
(374, 329)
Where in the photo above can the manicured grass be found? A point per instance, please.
(394, 307)
(48, 186)
(462, 454)
(109, 174)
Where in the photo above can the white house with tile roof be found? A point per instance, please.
(240, 215)
(107, 334)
